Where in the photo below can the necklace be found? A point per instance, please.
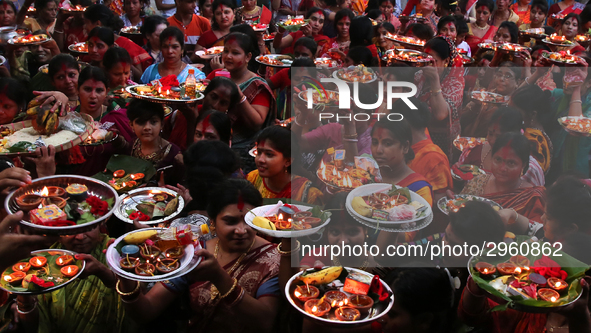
(479, 27)
(363, 266)
(214, 290)
(484, 157)
(244, 11)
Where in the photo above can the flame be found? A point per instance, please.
(558, 284)
(339, 175)
(297, 294)
(333, 303)
(280, 217)
(69, 270)
(324, 173)
(346, 301)
(517, 270)
(315, 308)
(527, 268)
(39, 262)
(553, 299)
(45, 191)
(7, 278)
(349, 182)
(341, 303)
(485, 270)
(334, 172)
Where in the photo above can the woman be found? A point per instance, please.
(570, 28)
(134, 16)
(205, 9)
(313, 30)
(510, 161)
(428, 11)
(7, 14)
(523, 10)
(46, 13)
(446, 83)
(388, 7)
(249, 12)
(536, 19)
(69, 29)
(117, 66)
(63, 72)
(14, 100)
(151, 30)
(503, 13)
(237, 285)
(359, 55)
(542, 76)
(273, 176)
(330, 8)
(533, 103)
(480, 30)
(256, 109)
(92, 91)
(214, 126)
(504, 120)
(562, 9)
(223, 11)
(339, 45)
(99, 41)
(507, 33)
(361, 34)
(384, 44)
(172, 42)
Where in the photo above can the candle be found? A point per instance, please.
(346, 313)
(485, 269)
(22, 267)
(507, 268)
(69, 271)
(52, 191)
(557, 284)
(129, 264)
(304, 293)
(336, 298)
(548, 295)
(149, 252)
(64, 260)
(286, 212)
(362, 303)
(317, 307)
(15, 278)
(145, 269)
(38, 262)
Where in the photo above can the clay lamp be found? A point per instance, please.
(21, 267)
(149, 252)
(176, 252)
(64, 260)
(336, 298)
(145, 269)
(38, 262)
(557, 284)
(69, 271)
(302, 215)
(15, 278)
(506, 268)
(317, 307)
(313, 221)
(485, 269)
(304, 293)
(167, 265)
(28, 202)
(52, 191)
(129, 264)
(59, 202)
(548, 295)
(346, 313)
(362, 303)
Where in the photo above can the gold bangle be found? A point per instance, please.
(137, 287)
(231, 289)
(286, 253)
(238, 299)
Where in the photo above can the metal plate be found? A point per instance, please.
(131, 31)
(273, 56)
(325, 105)
(323, 63)
(546, 56)
(391, 56)
(72, 50)
(570, 131)
(442, 203)
(131, 90)
(202, 54)
(481, 96)
(405, 227)
(338, 75)
(261, 211)
(102, 142)
(12, 41)
(95, 187)
(379, 310)
(131, 199)
(50, 289)
(457, 177)
(547, 41)
(409, 41)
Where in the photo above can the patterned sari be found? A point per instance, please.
(473, 40)
(541, 147)
(419, 185)
(299, 189)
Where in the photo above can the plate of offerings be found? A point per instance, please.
(405, 40)
(124, 173)
(76, 9)
(275, 60)
(287, 220)
(579, 126)
(466, 60)
(466, 172)
(339, 296)
(327, 98)
(464, 142)
(557, 40)
(64, 204)
(210, 53)
(538, 33)
(345, 179)
(293, 23)
(154, 254)
(150, 205)
(490, 97)
(583, 40)
(269, 37)
(511, 47)
(418, 17)
(43, 272)
(446, 204)
(79, 48)
(535, 284)
(562, 58)
(259, 27)
(124, 181)
(29, 40)
(382, 203)
(323, 63)
(411, 57)
(165, 90)
(133, 30)
(45, 68)
(359, 74)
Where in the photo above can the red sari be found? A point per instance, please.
(138, 55)
(576, 8)
(473, 41)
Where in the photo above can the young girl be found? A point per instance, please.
(133, 16)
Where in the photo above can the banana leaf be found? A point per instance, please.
(129, 164)
(404, 191)
(293, 28)
(573, 267)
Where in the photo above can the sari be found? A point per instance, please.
(523, 15)
(152, 74)
(473, 40)
(529, 201)
(209, 39)
(333, 44)
(299, 189)
(256, 274)
(475, 124)
(242, 16)
(541, 146)
(139, 56)
(418, 184)
(433, 164)
(576, 8)
(85, 305)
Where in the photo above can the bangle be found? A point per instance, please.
(295, 120)
(58, 32)
(239, 298)
(25, 312)
(242, 100)
(231, 289)
(137, 287)
(433, 93)
(135, 299)
(576, 101)
(351, 136)
(527, 81)
(286, 253)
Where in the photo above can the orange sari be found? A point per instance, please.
(432, 163)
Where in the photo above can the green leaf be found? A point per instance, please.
(85, 218)
(20, 147)
(110, 201)
(501, 307)
(404, 191)
(129, 211)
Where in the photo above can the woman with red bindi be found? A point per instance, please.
(7, 14)
(312, 29)
(505, 185)
(223, 19)
(249, 12)
(480, 31)
(338, 47)
(99, 41)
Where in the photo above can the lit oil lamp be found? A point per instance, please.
(38, 262)
(28, 202)
(15, 278)
(52, 191)
(346, 313)
(485, 269)
(548, 295)
(60, 202)
(69, 271)
(145, 269)
(167, 265)
(317, 307)
(557, 284)
(64, 260)
(507, 268)
(21, 267)
(149, 252)
(129, 264)
(306, 293)
(336, 298)
(362, 303)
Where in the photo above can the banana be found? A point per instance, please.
(33, 111)
(324, 276)
(263, 223)
(361, 207)
(52, 124)
(27, 281)
(139, 237)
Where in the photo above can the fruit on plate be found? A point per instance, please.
(45, 122)
(262, 222)
(361, 207)
(324, 276)
(171, 206)
(140, 236)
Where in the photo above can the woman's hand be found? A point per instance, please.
(509, 216)
(182, 191)
(59, 100)
(525, 58)
(208, 270)
(14, 177)
(431, 76)
(216, 62)
(44, 161)
(579, 309)
(93, 266)
(306, 29)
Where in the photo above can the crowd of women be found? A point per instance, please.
(251, 140)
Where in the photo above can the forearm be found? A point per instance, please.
(275, 4)
(439, 106)
(580, 323)
(286, 271)
(28, 313)
(575, 108)
(474, 301)
(252, 118)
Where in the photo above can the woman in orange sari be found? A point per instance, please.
(480, 31)
(505, 186)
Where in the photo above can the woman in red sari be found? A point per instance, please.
(505, 186)
(313, 30)
(480, 31)
(340, 43)
(560, 9)
(223, 18)
(236, 284)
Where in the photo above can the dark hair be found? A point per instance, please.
(304, 62)
(174, 32)
(568, 201)
(41, 4)
(151, 23)
(578, 246)
(386, 25)
(486, 3)
(548, 30)
(314, 10)
(92, 73)
(449, 5)
(444, 21)
(244, 28)
(208, 163)
(60, 61)
(461, 25)
(393, 2)
(516, 70)
(412, 285)
(230, 192)
(531, 98)
(104, 34)
(331, 3)
(142, 111)
(543, 6)
(419, 118)
(477, 222)
(576, 17)
(280, 138)
(440, 46)
(361, 55)
(404, 72)
(101, 13)
(219, 81)
(215, 5)
(15, 91)
(361, 31)
(10, 3)
(115, 55)
(538, 47)
(585, 14)
(400, 130)
(374, 13)
(243, 40)
(308, 43)
(420, 31)
(516, 141)
(508, 119)
(341, 14)
(220, 121)
(201, 3)
(513, 30)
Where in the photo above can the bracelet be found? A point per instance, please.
(527, 81)
(576, 101)
(25, 312)
(58, 32)
(295, 120)
(135, 299)
(435, 92)
(239, 298)
(231, 289)
(516, 216)
(351, 140)
(352, 136)
(286, 253)
(243, 99)
(137, 287)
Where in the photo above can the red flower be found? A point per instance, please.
(41, 283)
(169, 80)
(139, 216)
(549, 268)
(378, 288)
(97, 206)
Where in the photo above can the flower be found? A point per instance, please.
(549, 268)
(378, 288)
(169, 80)
(98, 207)
(139, 216)
(41, 283)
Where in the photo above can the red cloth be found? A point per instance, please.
(319, 39)
(266, 16)
(209, 39)
(374, 50)
(410, 5)
(281, 79)
(139, 56)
